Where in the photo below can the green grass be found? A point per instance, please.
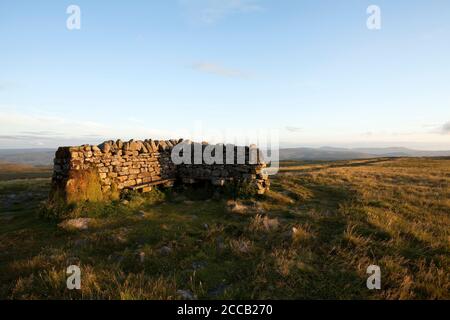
(347, 215)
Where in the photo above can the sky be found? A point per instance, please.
(310, 70)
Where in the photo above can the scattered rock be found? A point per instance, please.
(165, 227)
(78, 224)
(142, 213)
(142, 256)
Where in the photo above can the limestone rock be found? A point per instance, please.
(77, 224)
(105, 147)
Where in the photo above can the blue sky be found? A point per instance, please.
(310, 69)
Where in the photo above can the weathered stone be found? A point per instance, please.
(163, 145)
(134, 145)
(105, 147)
(149, 161)
(153, 145)
(76, 155)
(80, 223)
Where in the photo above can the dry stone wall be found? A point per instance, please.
(94, 172)
(245, 165)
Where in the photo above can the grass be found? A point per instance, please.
(312, 237)
(10, 171)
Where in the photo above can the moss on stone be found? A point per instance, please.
(84, 185)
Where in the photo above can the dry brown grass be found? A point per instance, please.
(14, 171)
(312, 237)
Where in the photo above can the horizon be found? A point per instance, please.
(316, 74)
(281, 147)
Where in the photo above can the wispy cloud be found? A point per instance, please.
(21, 130)
(446, 128)
(293, 129)
(41, 133)
(211, 11)
(219, 70)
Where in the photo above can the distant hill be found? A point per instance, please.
(44, 157)
(331, 153)
(35, 157)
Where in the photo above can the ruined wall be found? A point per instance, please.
(95, 172)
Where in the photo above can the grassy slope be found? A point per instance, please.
(13, 171)
(348, 215)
